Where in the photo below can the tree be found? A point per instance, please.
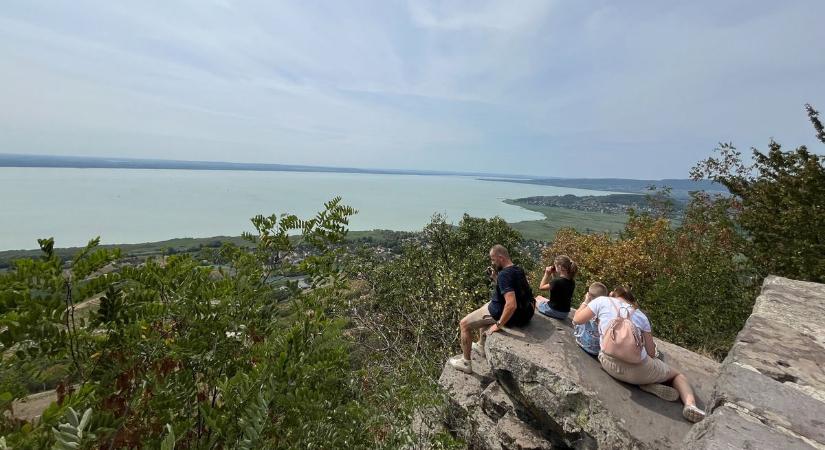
(690, 279)
(779, 204)
(408, 309)
(175, 352)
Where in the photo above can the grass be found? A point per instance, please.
(557, 218)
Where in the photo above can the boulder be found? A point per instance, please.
(771, 389)
(539, 377)
(570, 398)
(729, 429)
(481, 414)
(538, 389)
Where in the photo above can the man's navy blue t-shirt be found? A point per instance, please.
(513, 279)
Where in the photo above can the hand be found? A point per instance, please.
(549, 270)
(493, 328)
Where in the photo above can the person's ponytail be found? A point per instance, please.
(568, 266)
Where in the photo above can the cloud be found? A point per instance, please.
(546, 88)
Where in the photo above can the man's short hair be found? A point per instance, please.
(597, 290)
(500, 250)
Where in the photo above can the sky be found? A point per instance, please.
(635, 89)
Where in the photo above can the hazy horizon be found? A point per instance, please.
(80, 161)
(535, 88)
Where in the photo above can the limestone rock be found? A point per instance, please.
(571, 399)
(771, 390)
(482, 415)
(729, 429)
(538, 389)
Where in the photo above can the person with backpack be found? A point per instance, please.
(512, 304)
(628, 350)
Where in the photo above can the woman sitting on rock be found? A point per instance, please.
(563, 273)
(626, 343)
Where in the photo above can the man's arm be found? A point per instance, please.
(509, 309)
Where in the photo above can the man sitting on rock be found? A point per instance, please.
(511, 305)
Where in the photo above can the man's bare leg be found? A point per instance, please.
(466, 339)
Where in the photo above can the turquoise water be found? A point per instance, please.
(131, 206)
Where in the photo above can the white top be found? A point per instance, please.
(605, 312)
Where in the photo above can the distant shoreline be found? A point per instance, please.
(85, 162)
(680, 188)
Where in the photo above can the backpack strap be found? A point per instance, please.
(630, 310)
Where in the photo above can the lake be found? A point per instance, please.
(133, 205)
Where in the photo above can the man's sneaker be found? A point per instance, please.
(693, 414)
(480, 349)
(459, 363)
(662, 391)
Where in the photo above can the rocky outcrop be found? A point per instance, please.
(771, 389)
(561, 398)
(537, 389)
(483, 415)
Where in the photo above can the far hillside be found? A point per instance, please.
(609, 204)
(680, 188)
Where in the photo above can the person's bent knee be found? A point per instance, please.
(464, 324)
(673, 374)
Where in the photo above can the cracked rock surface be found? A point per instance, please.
(538, 389)
(771, 390)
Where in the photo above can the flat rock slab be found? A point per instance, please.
(784, 338)
(771, 390)
(31, 408)
(729, 429)
(548, 377)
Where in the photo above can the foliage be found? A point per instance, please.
(69, 434)
(173, 354)
(692, 280)
(407, 310)
(780, 204)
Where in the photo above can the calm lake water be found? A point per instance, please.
(131, 206)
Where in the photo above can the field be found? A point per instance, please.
(556, 218)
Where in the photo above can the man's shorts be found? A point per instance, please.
(480, 318)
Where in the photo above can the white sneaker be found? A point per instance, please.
(459, 363)
(480, 349)
(662, 391)
(693, 414)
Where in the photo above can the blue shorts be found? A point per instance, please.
(587, 336)
(547, 310)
